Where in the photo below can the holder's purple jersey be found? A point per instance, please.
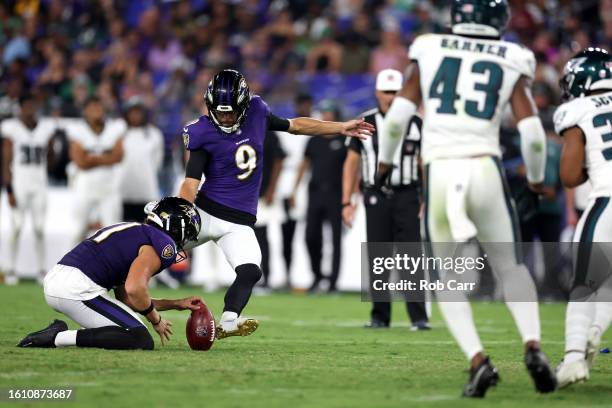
(234, 172)
(106, 256)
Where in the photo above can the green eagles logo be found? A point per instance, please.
(168, 251)
(186, 140)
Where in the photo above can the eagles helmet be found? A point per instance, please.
(483, 18)
(589, 70)
(177, 217)
(228, 93)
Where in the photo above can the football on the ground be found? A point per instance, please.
(201, 328)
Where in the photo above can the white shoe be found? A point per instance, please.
(11, 280)
(240, 326)
(593, 342)
(571, 373)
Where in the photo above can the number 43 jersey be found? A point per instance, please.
(593, 115)
(466, 85)
(234, 170)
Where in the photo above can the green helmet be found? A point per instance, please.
(483, 18)
(589, 70)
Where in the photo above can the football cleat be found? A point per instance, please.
(236, 327)
(45, 337)
(571, 373)
(540, 370)
(593, 342)
(481, 379)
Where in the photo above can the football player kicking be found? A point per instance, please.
(465, 80)
(226, 145)
(584, 122)
(122, 257)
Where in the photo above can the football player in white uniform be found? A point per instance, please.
(465, 80)
(96, 148)
(26, 142)
(585, 122)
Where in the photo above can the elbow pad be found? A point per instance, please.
(396, 125)
(533, 148)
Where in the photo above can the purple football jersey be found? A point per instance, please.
(106, 256)
(234, 171)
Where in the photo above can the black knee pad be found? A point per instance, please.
(250, 273)
(142, 338)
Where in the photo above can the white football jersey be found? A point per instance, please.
(593, 115)
(466, 83)
(29, 165)
(101, 179)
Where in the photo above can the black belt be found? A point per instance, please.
(223, 212)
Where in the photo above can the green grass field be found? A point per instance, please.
(308, 351)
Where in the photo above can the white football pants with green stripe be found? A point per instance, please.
(469, 198)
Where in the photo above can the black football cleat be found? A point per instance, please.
(45, 337)
(376, 324)
(481, 379)
(540, 370)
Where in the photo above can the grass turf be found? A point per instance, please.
(308, 351)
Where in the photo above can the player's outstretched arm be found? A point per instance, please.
(314, 127)
(533, 137)
(398, 117)
(572, 169)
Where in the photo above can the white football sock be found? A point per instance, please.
(459, 320)
(40, 250)
(521, 298)
(229, 321)
(229, 316)
(603, 316)
(66, 338)
(527, 319)
(578, 318)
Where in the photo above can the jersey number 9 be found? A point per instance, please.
(246, 160)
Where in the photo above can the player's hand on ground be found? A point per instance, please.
(12, 200)
(358, 128)
(191, 303)
(348, 215)
(164, 329)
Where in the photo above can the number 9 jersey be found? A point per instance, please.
(233, 172)
(593, 115)
(466, 85)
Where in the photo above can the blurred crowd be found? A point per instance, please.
(165, 52)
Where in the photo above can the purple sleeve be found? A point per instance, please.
(163, 245)
(192, 138)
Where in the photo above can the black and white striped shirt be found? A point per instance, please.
(406, 161)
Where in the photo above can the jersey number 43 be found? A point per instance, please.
(444, 87)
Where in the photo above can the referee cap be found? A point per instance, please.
(389, 80)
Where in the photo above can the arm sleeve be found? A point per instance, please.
(533, 148)
(278, 124)
(396, 125)
(198, 160)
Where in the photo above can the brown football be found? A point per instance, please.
(201, 328)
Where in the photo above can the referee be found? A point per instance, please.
(389, 217)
